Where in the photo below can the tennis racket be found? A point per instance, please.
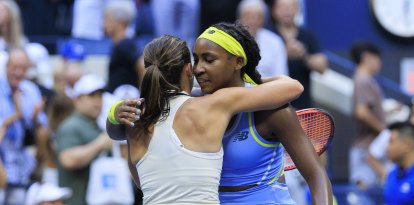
(318, 126)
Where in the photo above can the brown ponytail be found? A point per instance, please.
(164, 59)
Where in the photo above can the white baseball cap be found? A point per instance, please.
(88, 84)
(39, 193)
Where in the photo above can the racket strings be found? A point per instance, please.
(319, 129)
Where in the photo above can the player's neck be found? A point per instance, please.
(118, 36)
(237, 82)
(408, 161)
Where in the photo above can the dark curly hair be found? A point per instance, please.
(247, 41)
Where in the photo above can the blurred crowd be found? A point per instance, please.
(52, 120)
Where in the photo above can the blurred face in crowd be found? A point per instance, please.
(109, 24)
(373, 61)
(72, 73)
(17, 67)
(89, 105)
(398, 147)
(284, 11)
(253, 17)
(112, 25)
(214, 66)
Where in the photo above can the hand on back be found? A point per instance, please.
(129, 111)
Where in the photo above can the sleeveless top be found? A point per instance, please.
(249, 158)
(171, 174)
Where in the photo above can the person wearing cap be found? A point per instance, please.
(79, 139)
(72, 51)
(47, 194)
(73, 55)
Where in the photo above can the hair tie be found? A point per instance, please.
(156, 63)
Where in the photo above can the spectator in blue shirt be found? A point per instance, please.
(399, 186)
(20, 115)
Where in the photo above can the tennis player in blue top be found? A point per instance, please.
(253, 143)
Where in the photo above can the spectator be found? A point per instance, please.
(272, 49)
(12, 35)
(20, 116)
(377, 153)
(399, 186)
(10, 25)
(303, 51)
(73, 55)
(60, 108)
(79, 139)
(123, 65)
(367, 112)
(304, 55)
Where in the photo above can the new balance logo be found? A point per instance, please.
(241, 136)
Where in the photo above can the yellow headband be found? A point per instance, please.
(226, 41)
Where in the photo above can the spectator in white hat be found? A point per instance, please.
(79, 139)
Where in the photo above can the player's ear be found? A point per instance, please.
(188, 70)
(239, 62)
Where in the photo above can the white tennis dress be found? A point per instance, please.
(171, 174)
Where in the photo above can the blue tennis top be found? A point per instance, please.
(248, 158)
(399, 187)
